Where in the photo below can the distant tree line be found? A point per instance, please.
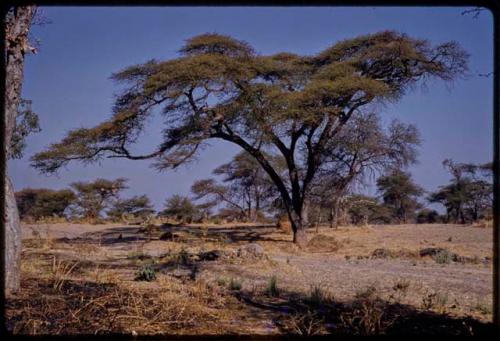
(245, 193)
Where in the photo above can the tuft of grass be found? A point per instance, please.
(318, 295)
(234, 284)
(60, 272)
(366, 293)
(272, 287)
(182, 257)
(145, 273)
(306, 323)
(483, 307)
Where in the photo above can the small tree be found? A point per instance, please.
(246, 187)
(219, 88)
(400, 194)
(137, 206)
(41, 202)
(181, 208)
(363, 149)
(93, 197)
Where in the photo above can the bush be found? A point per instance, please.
(444, 257)
(145, 273)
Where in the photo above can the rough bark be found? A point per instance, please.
(16, 45)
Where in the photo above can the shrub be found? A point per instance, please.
(439, 255)
(145, 273)
(435, 301)
(367, 318)
(272, 287)
(221, 281)
(444, 257)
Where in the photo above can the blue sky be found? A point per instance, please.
(68, 80)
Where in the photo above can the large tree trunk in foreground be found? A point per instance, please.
(17, 28)
(12, 240)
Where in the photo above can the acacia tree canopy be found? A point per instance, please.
(221, 88)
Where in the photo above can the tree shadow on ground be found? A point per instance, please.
(297, 314)
(134, 234)
(236, 233)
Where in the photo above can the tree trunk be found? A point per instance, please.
(17, 25)
(12, 240)
(334, 213)
(300, 222)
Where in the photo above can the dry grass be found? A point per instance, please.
(84, 283)
(323, 243)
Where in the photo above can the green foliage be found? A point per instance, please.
(145, 273)
(41, 202)
(27, 123)
(272, 287)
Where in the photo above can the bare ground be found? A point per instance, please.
(409, 285)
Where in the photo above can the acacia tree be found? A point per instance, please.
(137, 206)
(17, 21)
(246, 187)
(219, 88)
(180, 207)
(42, 202)
(469, 196)
(93, 197)
(400, 194)
(362, 149)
